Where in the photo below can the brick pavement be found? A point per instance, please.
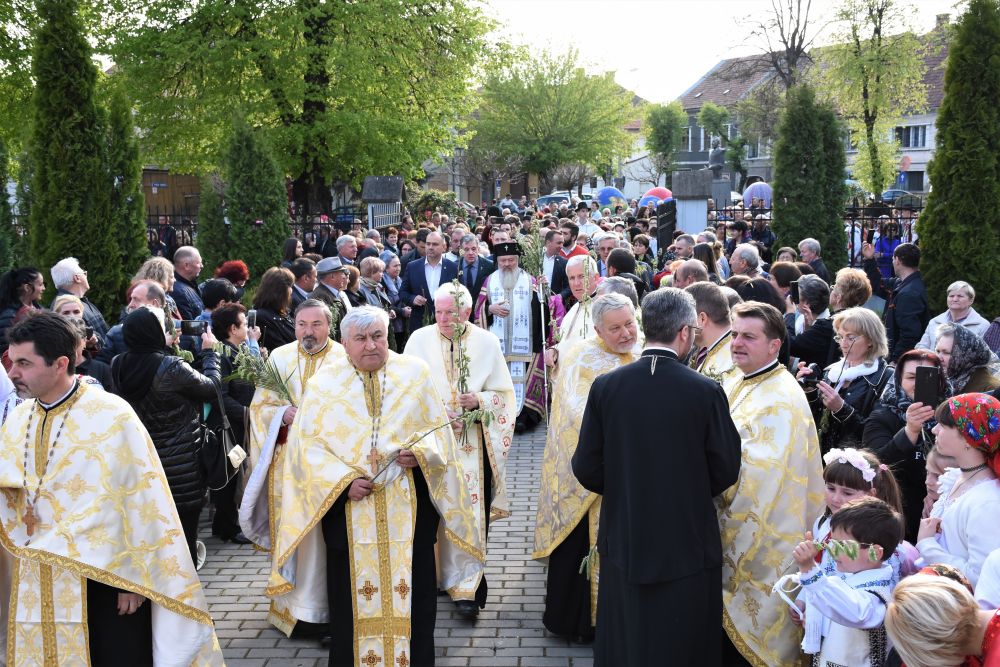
(509, 631)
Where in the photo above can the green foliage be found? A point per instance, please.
(256, 202)
(959, 229)
(548, 110)
(807, 203)
(70, 193)
(760, 111)
(873, 73)
(341, 90)
(424, 202)
(713, 118)
(127, 209)
(7, 232)
(664, 129)
(213, 234)
(736, 153)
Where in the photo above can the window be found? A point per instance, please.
(686, 140)
(753, 150)
(912, 136)
(701, 132)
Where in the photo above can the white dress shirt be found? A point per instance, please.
(432, 274)
(548, 266)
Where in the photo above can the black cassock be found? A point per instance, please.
(660, 592)
(567, 590)
(423, 605)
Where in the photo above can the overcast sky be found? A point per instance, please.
(658, 48)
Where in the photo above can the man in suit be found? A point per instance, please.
(605, 243)
(333, 277)
(553, 263)
(416, 254)
(422, 278)
(648, 573)
(906, 310)
(304, 270)
(473, 269)
(809, 250)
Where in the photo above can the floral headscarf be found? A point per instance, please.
(977, 417)
(969, 353)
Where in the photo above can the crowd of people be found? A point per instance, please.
(824, 447)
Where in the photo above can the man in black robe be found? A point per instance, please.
(660, 592)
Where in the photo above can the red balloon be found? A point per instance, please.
(659, 193)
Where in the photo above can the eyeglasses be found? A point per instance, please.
(850, 338)
(695, 329)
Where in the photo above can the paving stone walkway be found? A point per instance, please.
(509, 631)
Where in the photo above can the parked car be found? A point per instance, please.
(890, 196)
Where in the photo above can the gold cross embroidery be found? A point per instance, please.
(368, 590)
(402, 589)
(402, 660)
(371, 659)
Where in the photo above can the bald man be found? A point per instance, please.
(421, 279)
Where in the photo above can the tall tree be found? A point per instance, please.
(213, 233)
(716, 120)
(127, 208)
(341, 90)
(7, 231)
(257, 203)
(874, 73)
(959, 233)
(69, 212)
(832, 190)
(664, 128)
(802, 173)
(547, 109)
(785, 39)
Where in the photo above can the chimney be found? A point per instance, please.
(941, 21)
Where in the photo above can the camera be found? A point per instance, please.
(192, 327)
(813, 379)
(90, 332)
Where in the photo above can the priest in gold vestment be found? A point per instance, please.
(713, 343)
(567, 518)
(271, 418)
(94, 566)
(375, 463)
(778, 495)
(485, 383)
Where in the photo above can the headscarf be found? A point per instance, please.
(135, 369)
(977, 417)
(897, 400)
(969, 353)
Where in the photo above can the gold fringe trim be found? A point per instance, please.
(281, 619)
(478, 554)
(324, 507)
(741, 645)
(104, 577)
(561, 536)
(49, 649)
(15, 583)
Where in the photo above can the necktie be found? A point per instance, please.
(702, 353)
(468, 276)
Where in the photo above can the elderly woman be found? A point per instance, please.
(353, 289)
(851, 289)
(970, 363)
(963, 528)
(782, 275)
(273, 301)
(849, 389)
(786, 254)
(961, 296)
(810, 330)
(899, 432)
(374, 294)
(161, 271)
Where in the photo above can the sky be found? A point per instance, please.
(659, 48)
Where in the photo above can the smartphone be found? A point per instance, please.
(251, 318)
(794, 291)
(192, 327)
(870, 236)
(928, 382)
(813, 379)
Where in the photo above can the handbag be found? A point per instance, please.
(220, 456)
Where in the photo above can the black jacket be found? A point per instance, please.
(619, 456)
(559, 279)
(906, 310)
(484, 268)
(187, 297)
(98, 370)
(846, 426)
(819, 266)
(236, 396)
(885, 435)
(275, 330)
(815, 344)
(171, 411)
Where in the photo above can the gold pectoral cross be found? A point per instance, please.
(373, 460)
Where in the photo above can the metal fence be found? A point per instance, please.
(884, 226)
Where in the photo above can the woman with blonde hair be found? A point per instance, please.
(934, 621)
(850, 289)
(161, 271)
(849, 388)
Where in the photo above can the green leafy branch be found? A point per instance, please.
(261, 373)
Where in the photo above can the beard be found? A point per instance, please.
(309, 343)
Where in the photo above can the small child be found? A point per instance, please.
(844, 610)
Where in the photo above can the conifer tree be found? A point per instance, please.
(808, 183)
(69, 209)
(213, 235)
(959, 230)
(127, 210)
(256, 202)
(7, 232)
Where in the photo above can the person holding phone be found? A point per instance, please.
(850, 387)
(899, 429)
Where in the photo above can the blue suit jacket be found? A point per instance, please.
(415, 284)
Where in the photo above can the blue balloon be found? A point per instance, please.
(611, 197)
(650, 200)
